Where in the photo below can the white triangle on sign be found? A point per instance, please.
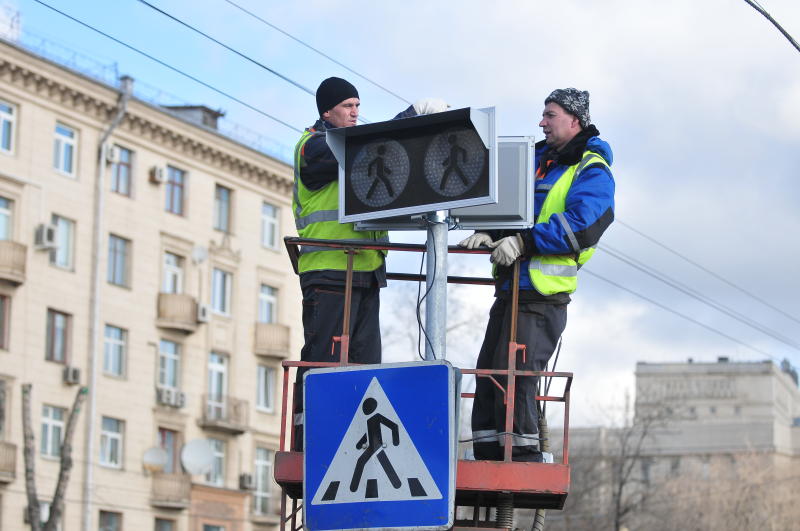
(389, 472)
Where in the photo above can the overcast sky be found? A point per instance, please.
(700, 102)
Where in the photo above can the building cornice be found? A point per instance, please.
(140, 124)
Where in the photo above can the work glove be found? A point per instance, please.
(476, 240)
(506, 250)
(430, 105)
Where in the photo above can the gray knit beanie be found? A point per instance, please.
(573, 101)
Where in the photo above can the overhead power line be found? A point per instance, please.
(323, 54)
(710, 272)
(683, 288)
(174, 69)
(681, 315)
(237, 52)
(757, 7)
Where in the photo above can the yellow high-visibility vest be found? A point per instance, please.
(316, 215)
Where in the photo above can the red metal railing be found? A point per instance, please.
(471, 475)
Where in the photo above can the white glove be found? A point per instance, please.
(430, 105)
(506, 250)
(476, 240)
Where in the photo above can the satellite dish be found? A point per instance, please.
(199, 254)
(154, 459)
(197, 456)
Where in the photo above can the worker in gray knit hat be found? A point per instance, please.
(573, 206)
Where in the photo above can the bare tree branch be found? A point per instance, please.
(763, 11)
(34, 516)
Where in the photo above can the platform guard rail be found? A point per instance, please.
(479, 484)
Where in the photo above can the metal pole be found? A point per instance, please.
(436, 286)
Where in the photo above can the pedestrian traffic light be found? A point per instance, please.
(416, 165)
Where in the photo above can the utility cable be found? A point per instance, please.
(698, 296)
(237, 52)
(757, 7)
(326, 56)
(679, 314)
(706, 270)
(174, 69)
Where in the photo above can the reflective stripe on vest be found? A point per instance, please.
(551, 274)
(316, 214)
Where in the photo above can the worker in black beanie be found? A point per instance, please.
(322, 270)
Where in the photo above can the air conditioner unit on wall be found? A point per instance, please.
(45, 237)
(112, 154)
(167, 396)
(203, 313)
(157, 175)
(72, 375)
(246, 482)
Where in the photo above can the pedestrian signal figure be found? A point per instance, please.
(322, 270)
(573, 206)
(381, 171)
(372, 442)
(451, 162)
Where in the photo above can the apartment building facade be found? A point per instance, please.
(169, 295)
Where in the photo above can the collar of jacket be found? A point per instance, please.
(573, 151)
(321, 126)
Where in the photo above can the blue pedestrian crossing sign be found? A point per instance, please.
(380, 447)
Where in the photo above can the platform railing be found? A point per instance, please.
(472, 475)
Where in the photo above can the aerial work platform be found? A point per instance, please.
(478, 484)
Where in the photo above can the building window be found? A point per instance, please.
(8, 119)
(5, 319)
(269, 226)
(169, 360)
(266, 389)
(173, 273)
(58, 336)
(110, 521)
(209, 527)
(52, 430)
(64, 149)
(222, 208)
(262, 497)
(62, 255)
(6, 212)
(216, 475)
(5, 391)
(267, 304)
(121, 171)
(119, 255)
(116, 345)
(176, 188)
(221, 282)
(217, 385)
(168, 440)
(164, 525)
(111, 442)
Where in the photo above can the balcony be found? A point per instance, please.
(177, 311)
(8, 462)
(12, 262)
(171, 491)
(272, 340)
(225, 414)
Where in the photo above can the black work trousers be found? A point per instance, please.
(323, 318)
(539, 327)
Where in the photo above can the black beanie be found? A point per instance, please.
(332, 92)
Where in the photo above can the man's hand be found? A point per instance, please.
(476, 240)
(506, 250)
(430, 105)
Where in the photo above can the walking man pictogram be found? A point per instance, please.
(372, 442)
(381, 171)
(451, 162)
